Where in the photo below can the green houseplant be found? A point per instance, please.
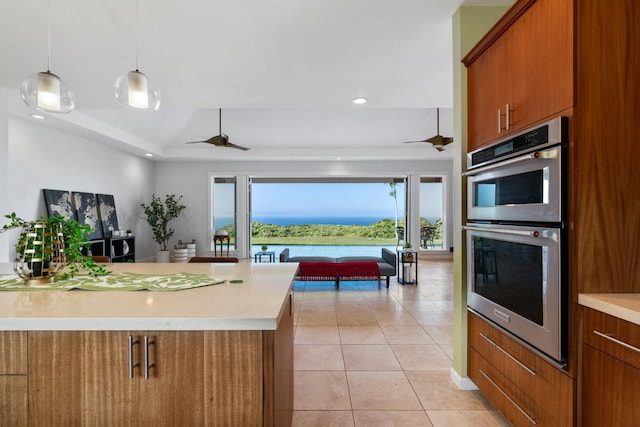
(47, 245)
(158, 213)
(264, 248)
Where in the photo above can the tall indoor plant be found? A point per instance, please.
(158, 213)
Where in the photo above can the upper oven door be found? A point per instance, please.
(523, 188)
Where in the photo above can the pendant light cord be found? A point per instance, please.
(48, 36)
(137, 30)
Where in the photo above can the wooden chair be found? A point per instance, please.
(213, 259)
(100, 258)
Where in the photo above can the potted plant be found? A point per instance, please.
(158, 213)
(264, 248)
(46, 246)
(407, 255)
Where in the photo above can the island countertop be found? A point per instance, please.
(254, 304)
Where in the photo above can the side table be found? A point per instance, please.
(257, 257)
(221, 240)
(408, 267)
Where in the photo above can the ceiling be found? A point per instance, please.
(284, 72)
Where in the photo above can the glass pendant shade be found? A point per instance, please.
(47, 92)
(134, 90)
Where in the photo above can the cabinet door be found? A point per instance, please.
(541, 57)
(233, 379)
(489, 87)
(610, 395)
(82, 378)
(13, 400)
(62, 374)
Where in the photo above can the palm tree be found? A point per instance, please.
(394, 193)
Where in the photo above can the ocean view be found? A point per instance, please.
(334, 220)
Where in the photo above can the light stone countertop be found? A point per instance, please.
(255, 304)
(622, 306)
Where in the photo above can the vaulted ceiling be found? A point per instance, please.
(284, 72)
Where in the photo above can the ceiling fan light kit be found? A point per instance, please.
(438, 141)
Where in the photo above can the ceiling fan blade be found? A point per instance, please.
(239, 147)
(196, 142)
(411, 142)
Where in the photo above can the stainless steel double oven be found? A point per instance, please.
(516, 236)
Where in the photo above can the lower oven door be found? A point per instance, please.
(514, 280)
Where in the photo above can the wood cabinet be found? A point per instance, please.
(13, 378)
(134, 378)
(521, 73)
(611, 371)
(82, 378)
(527, 389)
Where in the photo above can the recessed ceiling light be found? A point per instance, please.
(38, 116)
(359, 100)
(338, 158)
(149, 155)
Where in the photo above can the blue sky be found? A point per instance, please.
(323, 199)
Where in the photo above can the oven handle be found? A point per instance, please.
(531, 156)
(508, 231)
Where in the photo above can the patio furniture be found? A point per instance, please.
(212, 259)
(330, 271)
(426, 236)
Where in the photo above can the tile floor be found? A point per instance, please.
(370, 356)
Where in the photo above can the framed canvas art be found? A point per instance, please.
(107, 212)
(87, 212)
(58, 202)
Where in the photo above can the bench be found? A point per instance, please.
(344, 268)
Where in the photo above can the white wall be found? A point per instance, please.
(4, 167)
(190, 179)
(41, 157)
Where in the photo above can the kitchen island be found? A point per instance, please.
(213, 355)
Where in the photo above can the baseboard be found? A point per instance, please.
(462, 383)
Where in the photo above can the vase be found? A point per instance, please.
(163, 256)
(39, 252)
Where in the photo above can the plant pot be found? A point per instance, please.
(163, 256)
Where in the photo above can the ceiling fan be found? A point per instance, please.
(437, 141)
(220, 140)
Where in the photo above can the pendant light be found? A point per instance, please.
(133, 89)
(45, 91)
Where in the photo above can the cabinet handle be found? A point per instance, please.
(506, 353)
(617, 341)
(132, 365)
(531, 419)
(500, 121)
(507, 118)
(147, 343)
(291, 303)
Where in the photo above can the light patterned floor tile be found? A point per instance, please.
(467, 418)
(386, 391)
(320, 390)
(406, 334)
(317, 335)
(422, 357)
(370, 358)
(391, 419)
(437, 392)
(316, 357)
(361, 335)
(322, 419)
